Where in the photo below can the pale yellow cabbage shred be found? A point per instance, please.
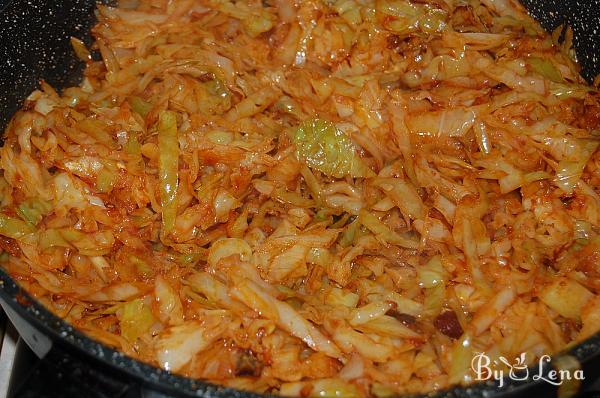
(293, 197)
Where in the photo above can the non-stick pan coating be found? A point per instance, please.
(34, 45)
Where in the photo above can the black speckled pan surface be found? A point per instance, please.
(34, 45)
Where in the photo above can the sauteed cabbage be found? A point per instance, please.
(313, 198)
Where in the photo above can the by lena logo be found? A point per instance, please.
(517, 370)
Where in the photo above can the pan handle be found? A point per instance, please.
(39, 344)
(60, 374)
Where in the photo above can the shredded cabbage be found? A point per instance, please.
(322, 146)
(34, 210)
(168, 168)
(569, 171)
(383, 232)
(567, 297)
(13, 227)
(135, 319)
(313, 198)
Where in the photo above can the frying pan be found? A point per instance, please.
(34, 45)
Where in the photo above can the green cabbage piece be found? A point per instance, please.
(52, 238)
(385, 233)
(13, 227)
(135, 320)
(98, 131)
(192, 259)
(217, 98)
(168, 167)
(142, 267)
(545, 68)
(107, 177)
(140, 106)
(323, 147)
(432, 273)
(570, 170)
(89, 244)
(257, 24)
(33, 210)
(434, 300)
(351, 233)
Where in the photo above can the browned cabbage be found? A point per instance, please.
(317, 198)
